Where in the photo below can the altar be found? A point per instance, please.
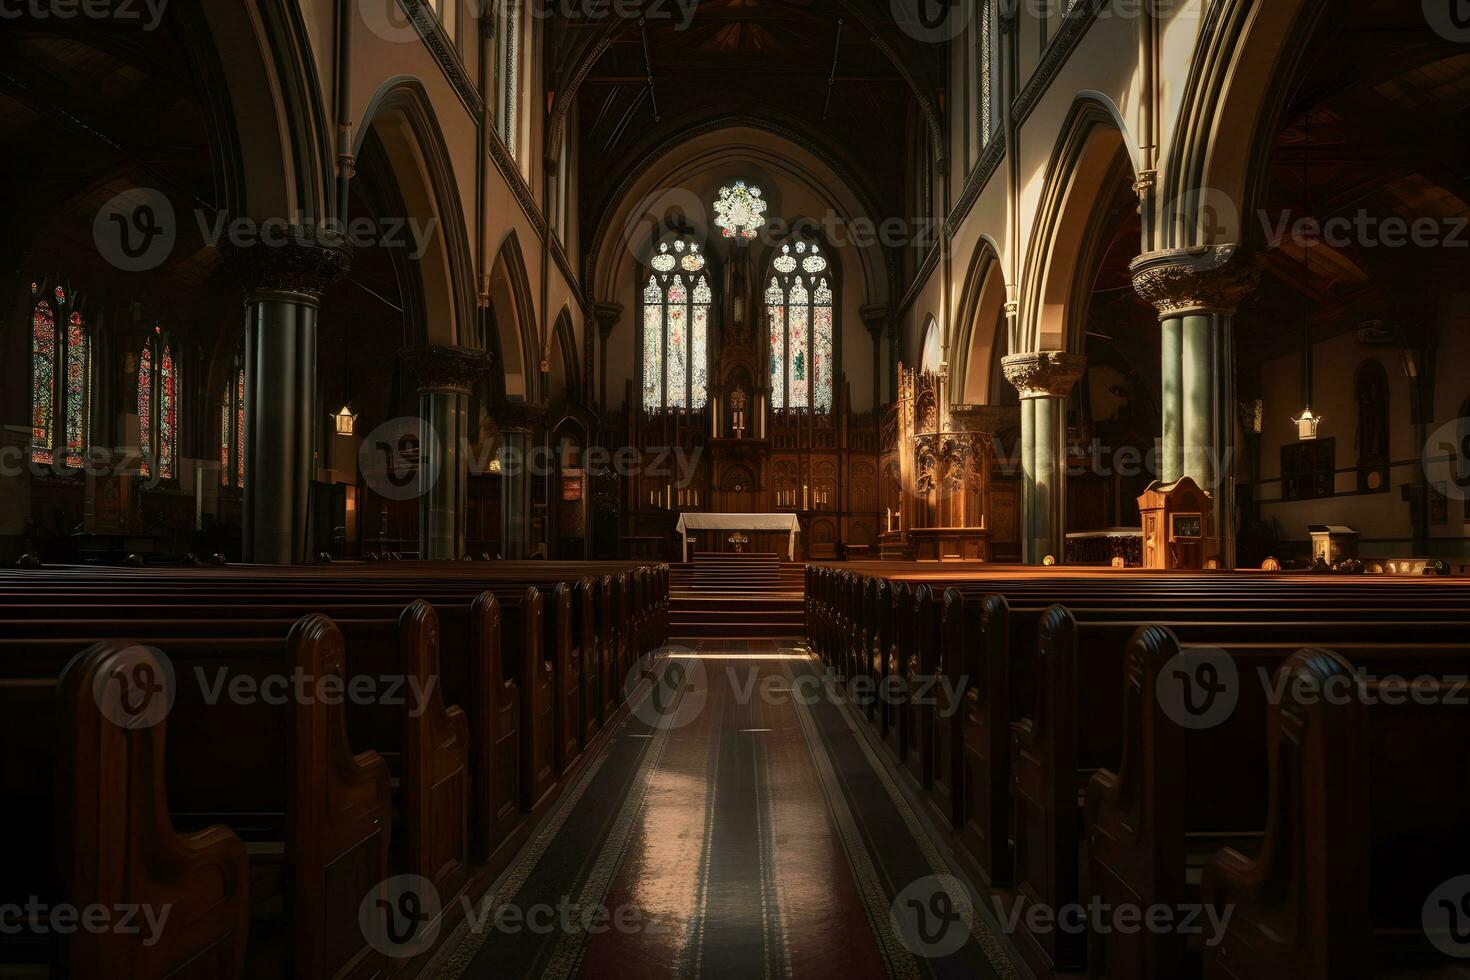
(738, 522)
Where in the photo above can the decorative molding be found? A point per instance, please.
(1078, 19)
(921, 277)
(301, 263)
(1044, 374)
(453, 369)
(510, 172)
(985, 168)
(426, 22)
(1195, 280)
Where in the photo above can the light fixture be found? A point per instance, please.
(1306, 424)
(346, 422)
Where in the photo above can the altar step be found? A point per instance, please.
(734, 595)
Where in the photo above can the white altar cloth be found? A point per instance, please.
(739, 522)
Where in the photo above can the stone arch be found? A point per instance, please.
(271, 121)
(1091, 155)
(981, 338)
(1236, 84)
(564, 381)
(432, 229)
(514, 338)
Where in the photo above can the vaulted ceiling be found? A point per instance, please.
(838, 73)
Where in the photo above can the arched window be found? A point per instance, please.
(676, 318)
(158, 407)
(799, 317)
(932, 354)
(508, 55)
(232, 427)
(1372, 397)
(61, 378)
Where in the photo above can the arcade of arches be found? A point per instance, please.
(298, 288)
(1153, 283)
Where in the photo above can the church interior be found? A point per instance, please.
(798, 488)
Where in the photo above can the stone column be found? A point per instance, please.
(285, 276)
(875, 318)
(607, 316)
(446, 377)
(1196, 292)
(518, 423)
(1044, 379)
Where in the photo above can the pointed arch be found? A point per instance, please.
(565, 380)
(1092, 153)
(1237, 83)
(980, 339)
(514, 338)
(433, 231)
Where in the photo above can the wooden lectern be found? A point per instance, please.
(1178, 525)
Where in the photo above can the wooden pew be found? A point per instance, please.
(1368, 815)
(1180, 791)
(288, 766)
(196, 884)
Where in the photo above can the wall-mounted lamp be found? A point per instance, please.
(345, 421)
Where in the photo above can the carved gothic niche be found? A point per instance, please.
(737, 479)
(860, 487)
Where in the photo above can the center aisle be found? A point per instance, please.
(736, 826)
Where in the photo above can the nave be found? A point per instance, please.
(738, 824)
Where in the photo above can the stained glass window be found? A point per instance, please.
(158, 408)
(232, 428)
(509, 74)
(739, 211)
(985, 34)
(676, 323)
(61, 379)
(78, 388)
(43, 382)
(800, 319)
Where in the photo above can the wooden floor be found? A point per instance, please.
(739, 824)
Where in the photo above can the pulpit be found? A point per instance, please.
(1178, 525)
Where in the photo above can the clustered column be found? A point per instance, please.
(1196, 292)
(518, 424)
(446, 376)
(1044, 379)
(284, 279)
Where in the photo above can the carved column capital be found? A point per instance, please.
(607, 316)
(875, 316)
(295, 262)
(1208, 279)
(453, 369)
(1044, 374)
(519, 416)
